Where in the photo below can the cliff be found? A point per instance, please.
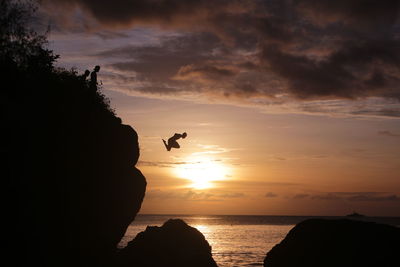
(70, 181)
(330, 243)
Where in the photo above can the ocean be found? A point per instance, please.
(237, 240)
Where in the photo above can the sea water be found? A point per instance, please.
(235, 240)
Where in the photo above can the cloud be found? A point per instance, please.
(301, 196)
(327, 196)
(161, 164)
(271, 195)
(205, 71)
(273, 52)
(177, 50)
(232, 195)
(164, 13)
(388, 133)
(191, 195)
(375, 197)
(356, 13)
(179, 194)
(350, 196)
(207, 150)
(369, 107)
(355, 69)
(107, 35)
(357, 196)
(211, 149)
(244, 183)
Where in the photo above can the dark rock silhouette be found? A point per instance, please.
(175, 244)
(69, 182)
(70, 173)
(345, 243)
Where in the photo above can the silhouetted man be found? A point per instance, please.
(172, 141)
(85, 75)
(93, 77)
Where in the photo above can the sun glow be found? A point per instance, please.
(202, 172)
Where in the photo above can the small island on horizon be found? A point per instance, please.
(355, 215)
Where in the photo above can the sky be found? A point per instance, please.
(291, 107)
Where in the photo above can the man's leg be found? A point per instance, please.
(166, 145)
(174, 144)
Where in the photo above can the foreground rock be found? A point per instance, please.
(327, 243)
(175, 244)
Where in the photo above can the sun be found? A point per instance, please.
(202, 172)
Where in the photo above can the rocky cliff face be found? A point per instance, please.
(332, 243)
(174, 244)
(71, 185)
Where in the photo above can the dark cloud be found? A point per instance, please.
(352, 71)
(359, 13)
(196, 63)
(301, 196)
(307, 50)
(349, 196)
(157, 67)
(270, 195)
(363, 197)
(163, 61)
(368, 107)
(384, 112)
(161, 164)
(388, 133)
(231, 195)
(106, 35)
(122, 13)
(357, 196)
(327, 196)
(204, 71)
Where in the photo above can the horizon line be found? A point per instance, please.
(271, 215)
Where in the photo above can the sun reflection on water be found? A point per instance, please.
(202, 228)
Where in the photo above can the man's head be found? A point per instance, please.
(184, 135)
(97, 68)
(87, 72)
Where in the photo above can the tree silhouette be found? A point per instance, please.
(27, 64)
(20, 45)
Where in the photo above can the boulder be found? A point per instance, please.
(332, 243)
(174, 244)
